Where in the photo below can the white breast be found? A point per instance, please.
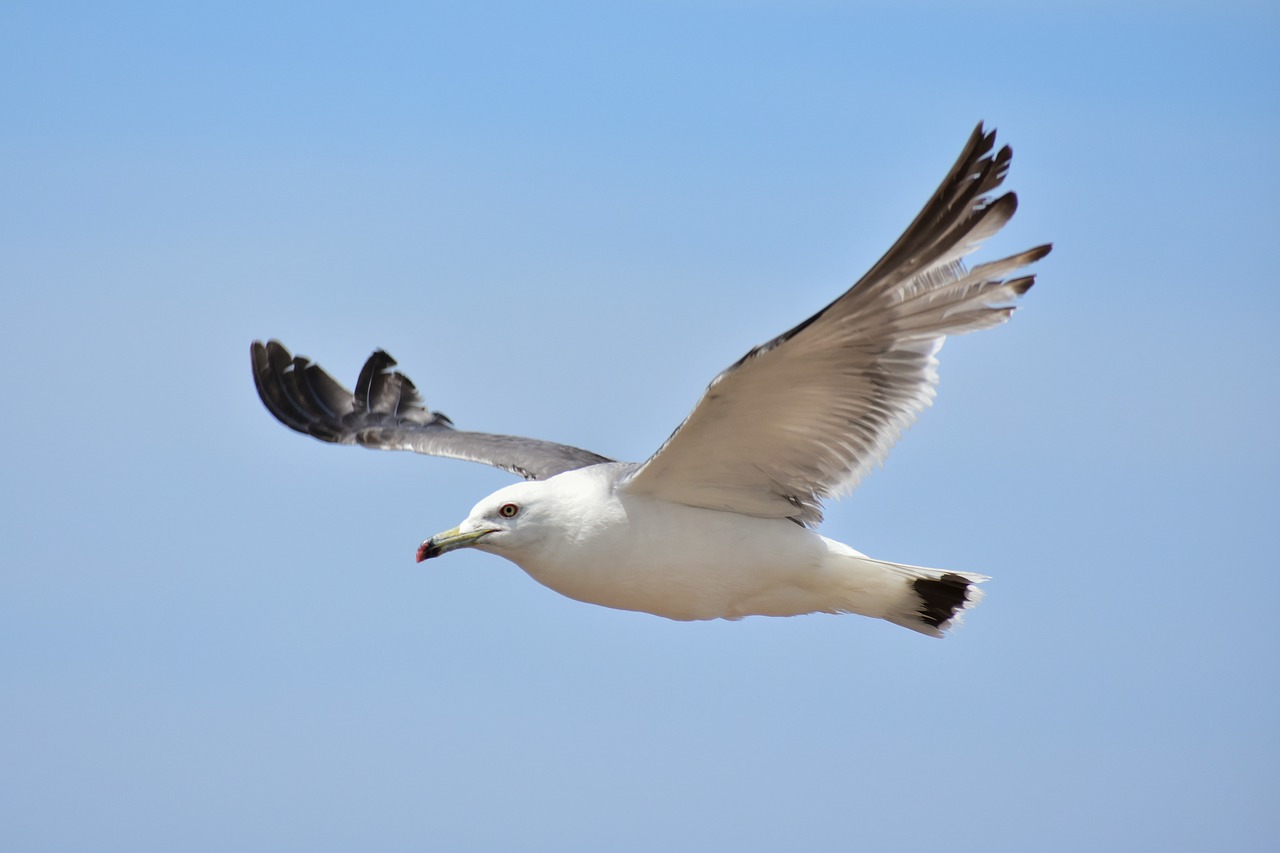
(637, 553)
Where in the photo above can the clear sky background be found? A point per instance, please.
(563, 219)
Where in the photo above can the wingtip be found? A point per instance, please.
(1021, 285)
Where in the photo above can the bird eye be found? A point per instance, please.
(508, 510)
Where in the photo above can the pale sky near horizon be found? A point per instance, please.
(563, 219)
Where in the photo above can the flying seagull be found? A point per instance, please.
(719, 522)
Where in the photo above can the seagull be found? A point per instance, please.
(720, 522)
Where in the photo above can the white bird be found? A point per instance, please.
(718, 523)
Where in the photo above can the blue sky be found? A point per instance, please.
(563, 219)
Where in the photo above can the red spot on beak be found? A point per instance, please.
(423, 549)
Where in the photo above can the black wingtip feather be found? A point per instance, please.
(326, 391)
(367, 382)
(1021, 285)
(303, 397)
(268, 369)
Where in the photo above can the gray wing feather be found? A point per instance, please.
(804, 416)
(387, 413)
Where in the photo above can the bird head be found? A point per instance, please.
(508, 520)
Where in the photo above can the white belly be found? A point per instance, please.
(689, 563)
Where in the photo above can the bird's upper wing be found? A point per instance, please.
(387, 413)
(804, 416)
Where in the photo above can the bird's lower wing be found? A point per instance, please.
(387, 413)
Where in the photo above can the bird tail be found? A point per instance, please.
(930, 601)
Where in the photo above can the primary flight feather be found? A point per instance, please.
(718, 522)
